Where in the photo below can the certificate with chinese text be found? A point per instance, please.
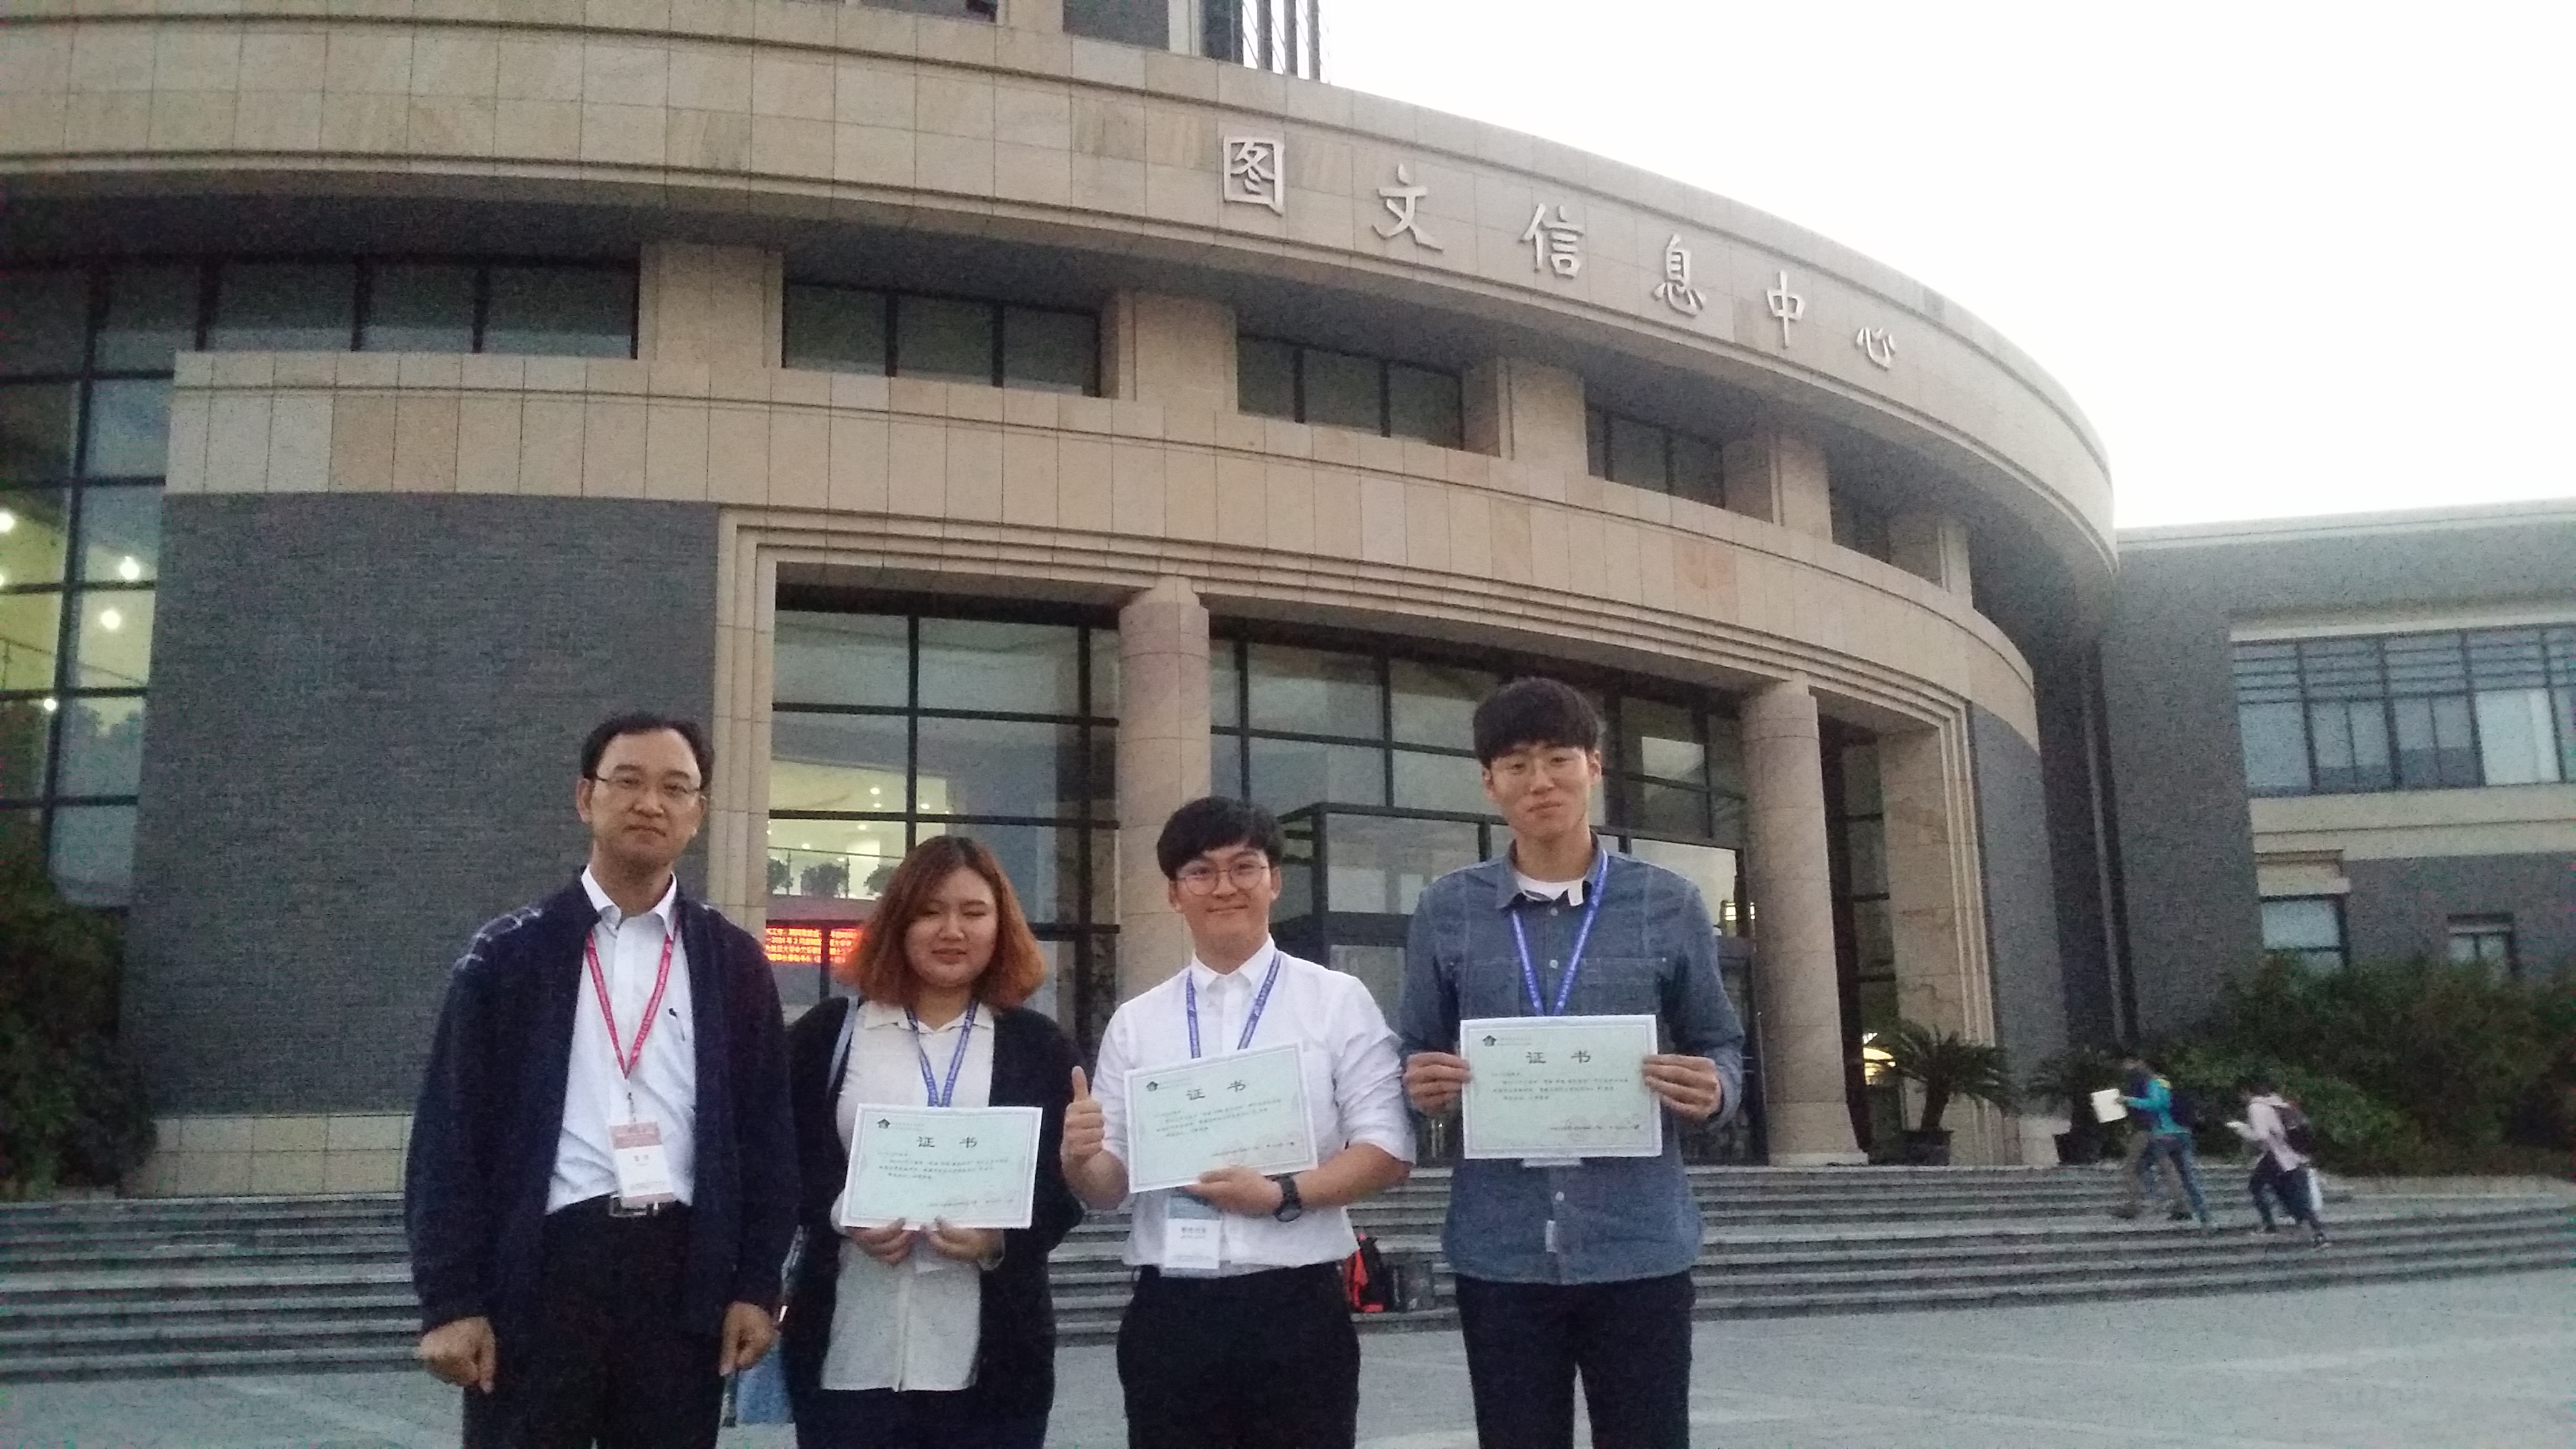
(971, 1167)
(1247, 1109)
(1560, 1087)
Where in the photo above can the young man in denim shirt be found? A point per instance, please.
(1577, 1266)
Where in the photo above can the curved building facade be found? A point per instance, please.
(988, 427)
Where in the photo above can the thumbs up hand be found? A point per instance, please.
(1084, 1129)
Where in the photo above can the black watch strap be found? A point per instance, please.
(1291, 1207)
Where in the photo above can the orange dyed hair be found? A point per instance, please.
(878, 968)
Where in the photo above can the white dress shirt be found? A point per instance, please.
(915, 1325)
(1354, 1090)
(664, 1088)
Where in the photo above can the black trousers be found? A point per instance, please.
(607, 1363)
(1260, 1361)
(1631, 1342)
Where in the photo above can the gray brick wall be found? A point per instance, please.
(2401, 909)
(364, 723)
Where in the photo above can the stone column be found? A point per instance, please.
(716, 306)
(1935, 908)
(1527, 412)
(1176, 351)
(1162, 765)
(1045, 15)
(1931, 543)
(1801, 1020)
(1781, 478)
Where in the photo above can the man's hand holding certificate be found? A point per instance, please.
(968, 1167)
(1247, 1109)
(1560, 1087)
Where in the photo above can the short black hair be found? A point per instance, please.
(640, 722)
(1534, 711)
(1212, 822)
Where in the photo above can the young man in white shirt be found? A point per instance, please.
(1238, 1336)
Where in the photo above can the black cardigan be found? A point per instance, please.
(1033, 1064)
(491, 1112)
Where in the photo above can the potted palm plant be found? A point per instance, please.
(1945, 1065)
(2072, 1077)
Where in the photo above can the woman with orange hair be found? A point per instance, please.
(914, 1338)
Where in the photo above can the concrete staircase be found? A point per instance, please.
(242, 1285)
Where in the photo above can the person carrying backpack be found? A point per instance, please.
(2284, 1145)
(2168, 1136)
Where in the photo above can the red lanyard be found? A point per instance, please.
(628, 1061)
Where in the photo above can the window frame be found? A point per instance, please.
(998, 317)
(2272, 672)
(1385, 389)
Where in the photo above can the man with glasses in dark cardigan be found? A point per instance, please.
(602, 1179)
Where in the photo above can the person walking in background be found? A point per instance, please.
(1239, 1336)
(2168, 1139)
(938, 1338)
(602, 1178)
(1579, 1266)
(2281, 1168)
(2135, 1171)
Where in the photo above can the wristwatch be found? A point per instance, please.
(1291, 1207)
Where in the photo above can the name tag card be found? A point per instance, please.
(643, 1167)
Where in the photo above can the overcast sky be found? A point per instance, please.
(2289, 259)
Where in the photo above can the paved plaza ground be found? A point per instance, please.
(2469, 1363)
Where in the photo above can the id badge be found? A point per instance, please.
(1192, 1235)
(643, 1169)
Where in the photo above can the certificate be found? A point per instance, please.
(1243, 1110)
(971, 1167)
(2107, 1106)
(1560, 1087)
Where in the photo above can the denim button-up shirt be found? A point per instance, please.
(1653, 951)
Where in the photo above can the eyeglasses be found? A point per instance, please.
(675, 793)
(1247, 874)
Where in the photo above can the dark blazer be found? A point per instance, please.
(491, 1111)
(1033, 1064)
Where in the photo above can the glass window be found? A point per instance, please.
(1453, 783)
(1379, 968)
(418, 308)
(44, 322)
(30, 635)
(114, 649)
(1596, 442)
(844, 763)
(1225, 766)
(1637, 455)
(540, 311)
(952, 9)
(1423, 404)
(1289, 774)
(1661, 740)
(1668, 809)
(1435, 704)
(836, 329)
(1050, 351)
(1011, 668)
(1379, 866)
(2434, 745)
(284, 307)
(33, 536)
(2483, 941)
(151, 315)
(120, 535)
(1266, 377)
(2517, 744)
(1044, 863)
(1129, 22)
(1873, 937)
(1225, 686)
(1000, 767)
(1710, 868)
(2276, 748)
(2309, 928)
(102, 746)
(93, 854)
(943, 339)
(833, 859)
(26, 740)
(1865, 846)
(2350, 741)
(36, 434)
(1698, 472)
(1342, 391)
(847, 659)
(2565, 712)
(1314, 692)
(1860, 781)
(129, 429)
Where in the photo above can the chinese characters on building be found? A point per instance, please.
(1786, 307)
(1403, 202)
(1676, 291)
(1254, 175)
(1555, 246)
(1876, 345)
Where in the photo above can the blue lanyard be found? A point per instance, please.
(939, 1096)
(1573, 962)
(1251, 1024)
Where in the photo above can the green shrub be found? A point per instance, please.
(72, 1106)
